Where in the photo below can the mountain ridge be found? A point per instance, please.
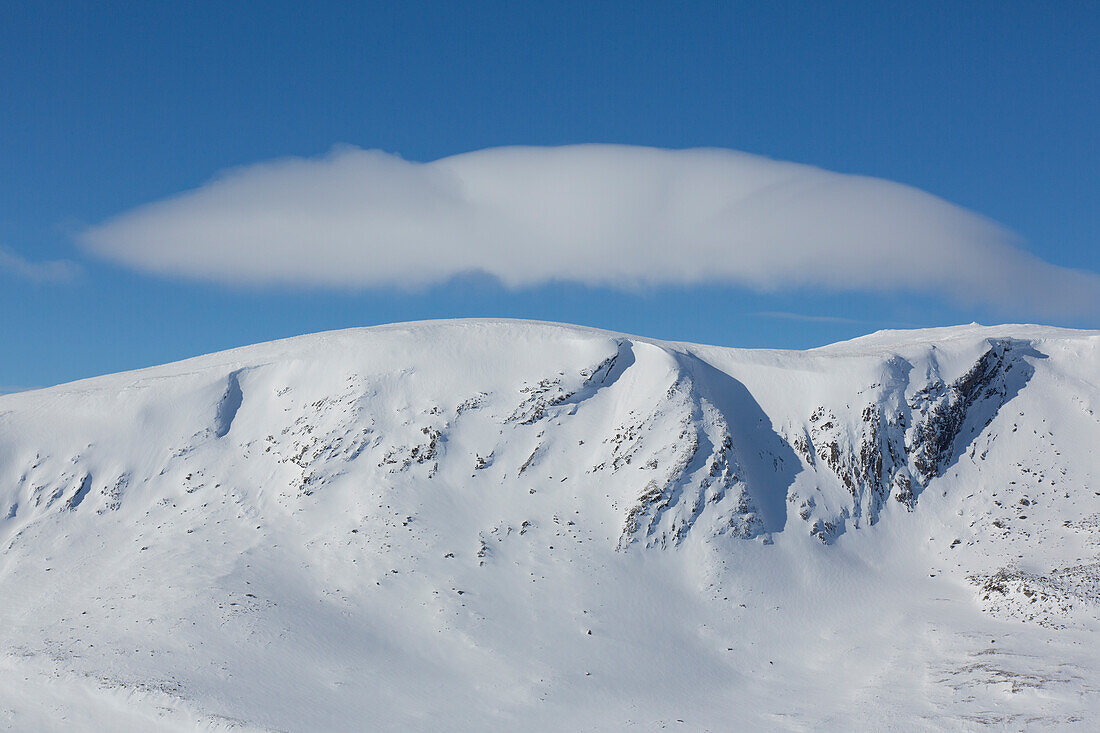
(883, 338)
(511, 489)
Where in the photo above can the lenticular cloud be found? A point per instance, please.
(596, 214)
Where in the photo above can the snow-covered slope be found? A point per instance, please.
(503, 525)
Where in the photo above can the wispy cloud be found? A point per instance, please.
(785, 316)
(596, 214)
(50, 271)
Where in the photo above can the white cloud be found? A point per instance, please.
(597, 214)
(51, 271)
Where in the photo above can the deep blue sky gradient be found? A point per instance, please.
(104, 106)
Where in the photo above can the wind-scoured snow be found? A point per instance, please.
(508, 525)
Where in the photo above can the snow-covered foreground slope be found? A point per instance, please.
(493, 525)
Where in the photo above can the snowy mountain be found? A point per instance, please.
(505, 525)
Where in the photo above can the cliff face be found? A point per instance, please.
(480, 484)
(909, 430)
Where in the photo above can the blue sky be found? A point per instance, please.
(108, 106)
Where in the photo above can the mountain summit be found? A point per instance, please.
(479, 524)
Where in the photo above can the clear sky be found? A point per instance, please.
(108, 106)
